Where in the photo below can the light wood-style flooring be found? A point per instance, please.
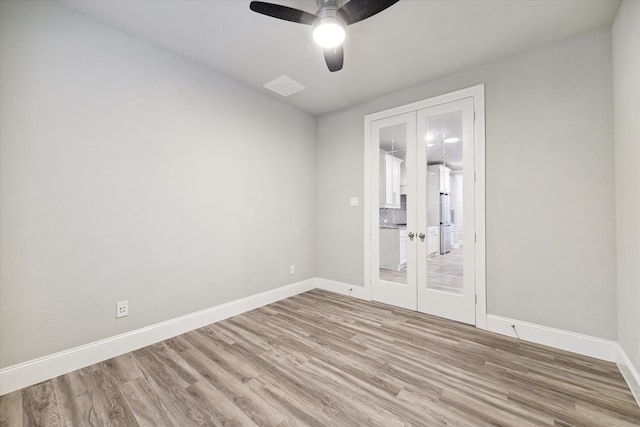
(397, 276)
(444, 272)
(321, 359)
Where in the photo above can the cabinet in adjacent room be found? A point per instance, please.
(433, 240)
(393, 248)
(390, 180)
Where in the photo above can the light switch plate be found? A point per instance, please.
(353, 201)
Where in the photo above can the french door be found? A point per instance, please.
(422, 227)
(394, 210)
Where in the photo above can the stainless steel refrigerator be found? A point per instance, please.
(446, 230)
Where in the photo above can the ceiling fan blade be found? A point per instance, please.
(356, 10)
(334, 56)
(283, 12)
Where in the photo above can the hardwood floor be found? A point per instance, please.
(444, 272)
(397, 276)
(321, 359)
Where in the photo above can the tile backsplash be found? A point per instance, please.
(395, 216)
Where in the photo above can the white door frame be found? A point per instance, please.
(477, 93)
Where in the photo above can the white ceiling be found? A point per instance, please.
(411, 42)
(393, 139)
(438, 129)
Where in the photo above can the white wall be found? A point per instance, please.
(128, 173)
(550, 204)
(626, 107)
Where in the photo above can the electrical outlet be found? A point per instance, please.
(292, 269)
(122, 309)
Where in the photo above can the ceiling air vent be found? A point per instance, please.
(284, 86)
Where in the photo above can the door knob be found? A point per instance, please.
(411, 235)
(421, 236)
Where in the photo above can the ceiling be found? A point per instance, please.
(440, 148)
(393, 140)
(410, 43)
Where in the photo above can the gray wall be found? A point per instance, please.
(626, 96)
(128, 173)
(550, 190)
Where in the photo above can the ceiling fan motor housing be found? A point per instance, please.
(327, 8)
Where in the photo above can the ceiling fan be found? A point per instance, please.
(329, 22)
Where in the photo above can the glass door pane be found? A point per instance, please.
(445, 165)
(393, 203)
(393, 212)
(445, 191)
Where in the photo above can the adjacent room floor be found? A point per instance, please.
(444, 272)
(321, 359)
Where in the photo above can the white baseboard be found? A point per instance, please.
(629, 372)
(342, 288)
(558, 338)
(34, 371)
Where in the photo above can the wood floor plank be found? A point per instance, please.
(41, 404)
(483, 407)
(357, 407)
(148, 407)
(76, 407)
(244, 398)
(122, 368)
(110, 404)
(222, 353)
(323, 359)
(11, 411)
(370, 395)
(249, 339)
(311, 389)
(299, 411)
(221, 410)
(436, 414)
(171, 390)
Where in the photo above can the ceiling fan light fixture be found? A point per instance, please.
(329, 22)
(329, 32)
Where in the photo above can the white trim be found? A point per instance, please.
(479, 202)
(367, 208)
(557, 338)
(429, 102)
(629, 372)
(342, 288)
(34, 371)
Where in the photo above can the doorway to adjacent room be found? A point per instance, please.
(425, 206)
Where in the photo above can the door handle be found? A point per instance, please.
(421, 236)
(411, 235)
